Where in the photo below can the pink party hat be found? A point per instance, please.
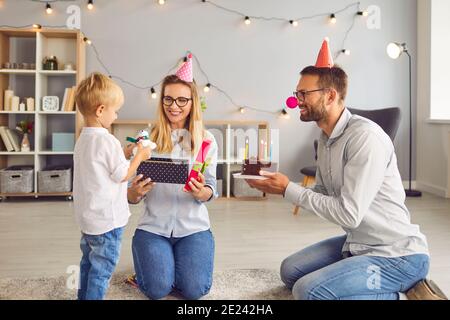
(185, 71)
(325, 59)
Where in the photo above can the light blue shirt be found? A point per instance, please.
(169, 211)
(358, 187)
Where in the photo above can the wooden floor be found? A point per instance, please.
(41, 238)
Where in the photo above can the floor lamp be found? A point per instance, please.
(394, 51)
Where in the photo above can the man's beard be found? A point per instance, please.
(316, 112)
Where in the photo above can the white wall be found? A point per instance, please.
(440, 66)
(433, 138)
(257, 65)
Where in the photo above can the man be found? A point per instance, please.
(358, 187)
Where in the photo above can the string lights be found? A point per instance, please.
(48, 8)
(332, 17)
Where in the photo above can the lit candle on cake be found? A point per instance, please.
(261, 150)
(246, 154)
(265, 150)
(271, 148)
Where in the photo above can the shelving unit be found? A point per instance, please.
(230, 158)
(31, 46)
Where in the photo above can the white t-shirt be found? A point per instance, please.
(100, 196)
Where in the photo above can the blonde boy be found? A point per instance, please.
(101, 171)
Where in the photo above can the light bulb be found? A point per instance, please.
(37, 26)
(87, 40)
(153, 92)
(161, 2)
(364, 13)
(346, 52)
(284, 115)
(394, 50)
(90, 4)
(294, 23)
(333, 18)
(242, 110)
(247, 20)
(207, 87)
(48, 8)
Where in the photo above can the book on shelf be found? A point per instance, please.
(64, 102)
(69, 104)
(14, 139)
(5, 139)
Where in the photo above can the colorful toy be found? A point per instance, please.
(143, 138)
(200, 163)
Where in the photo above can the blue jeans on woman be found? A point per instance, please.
(322, 272)
(100, 257)
(163, 264)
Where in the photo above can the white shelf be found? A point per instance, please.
(69, 47)
(58, 72)
(14, 153)
(58, 112)
(18, 112)
(55, 153)
(18, 71)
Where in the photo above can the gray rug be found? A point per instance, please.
(227, 285)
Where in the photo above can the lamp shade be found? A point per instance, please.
(394, 50)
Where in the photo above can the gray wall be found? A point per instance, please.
(257, 65)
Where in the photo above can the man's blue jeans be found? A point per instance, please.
(320, 272)
(163, 264)
(100, 257)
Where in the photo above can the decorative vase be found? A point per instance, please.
(25, 145)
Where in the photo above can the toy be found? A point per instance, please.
(292, 102)
(200, 163)
(143, 138)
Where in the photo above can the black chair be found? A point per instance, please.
(388, 119)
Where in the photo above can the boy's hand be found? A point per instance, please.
(198, 189)
(143, 153)
(128, 150)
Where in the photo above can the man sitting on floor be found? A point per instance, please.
(358, 187)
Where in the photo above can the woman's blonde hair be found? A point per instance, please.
(161, 133)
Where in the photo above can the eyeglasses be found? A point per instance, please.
(301, 95)
(180, 101)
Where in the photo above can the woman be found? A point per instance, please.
(173, 247)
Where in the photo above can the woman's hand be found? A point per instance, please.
(139, 188)
(198, 189)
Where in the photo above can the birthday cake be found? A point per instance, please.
(252, 167)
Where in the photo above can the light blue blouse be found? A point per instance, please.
(169, 211)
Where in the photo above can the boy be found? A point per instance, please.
(101, 171)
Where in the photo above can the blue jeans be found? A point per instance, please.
(321, 272)
(184, 264)
(100, 257)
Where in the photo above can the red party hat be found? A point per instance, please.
(325, 59)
